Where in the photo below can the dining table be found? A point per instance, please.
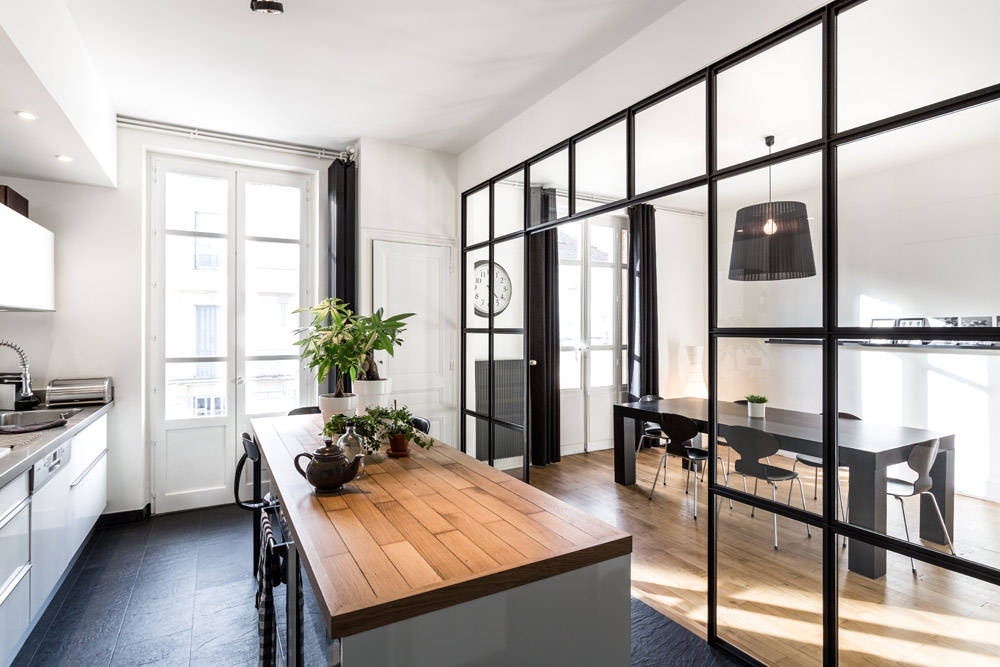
(866, 447)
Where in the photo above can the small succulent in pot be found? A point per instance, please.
(396, 425)
(755, 405)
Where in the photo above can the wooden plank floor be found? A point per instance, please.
(770, 603)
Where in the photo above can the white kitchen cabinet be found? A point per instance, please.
(88, 495)
(50, 522)
(27, 263)
(15, 601)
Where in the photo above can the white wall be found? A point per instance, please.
(686, 39)
(99, 326)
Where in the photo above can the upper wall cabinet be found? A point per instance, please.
(27, 263)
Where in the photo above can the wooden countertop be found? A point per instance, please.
(424, 532)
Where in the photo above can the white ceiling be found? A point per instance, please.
(436, 73)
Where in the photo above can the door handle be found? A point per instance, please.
(532, 362)
(239, 380)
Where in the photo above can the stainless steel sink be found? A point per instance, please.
(32, 417)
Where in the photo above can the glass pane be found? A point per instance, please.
(508, 378)
(602, 368)
(570, 305)
(272, 386)
(569, 369)
(196, 203)
(549, 188)
(901, 618)
(508, 448)
(272, 295)
(477, 373)
(508, 284)
(602, 305)
(477, 216)
(788, 433)
(196, 296)
(477, 288)
(508, 204)
(770, 246)
(477, 437)
(770, 602)
(927, 422)
(602, 242)
(570, 240)
(600, 168)
(897, 55)
(195, 390)
(670, 140)
(273, 210)
(777, 92)
(917, 220)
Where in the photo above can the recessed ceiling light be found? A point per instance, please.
(64, 158)
(26, 115)
(267, 7)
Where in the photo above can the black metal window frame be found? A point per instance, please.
(830, 333)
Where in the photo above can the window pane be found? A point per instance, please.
(477, 437)
(508, 204)
(508, 284)
(508, 447)
(273, 210)
(477, 369)
(602, 305)
(196, 295)
(770, 246)
(897, 55)
(195, 390)
(508, 378)
(549, 188)
(196, 203)
(570, 305)
(272, 294)
(477, 216)
(917, 220)
(770, 602)
(601, 368)
(927, 423)
(569, 369)
(570, 241)
(600, 168)
(777, 92)
(477, 288)
(602, 241)
(272, 386)
(670, 140)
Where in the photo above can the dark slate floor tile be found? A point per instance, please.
(658, 641)
(239, 653)
(155, 621)
(161, 651)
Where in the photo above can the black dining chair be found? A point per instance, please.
(251, 452)
(421, 424)
(816, 462)
(307, 410)
(754, 445)
(650, 430)
(680, 434)
(920, 461)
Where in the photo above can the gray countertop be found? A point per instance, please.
(19, 452)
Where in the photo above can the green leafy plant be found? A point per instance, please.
(755, 398)
(365, 426)
(397, 421)
(341, 343)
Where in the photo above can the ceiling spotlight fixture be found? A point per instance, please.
(26, 115)
(267, 7)
(64, 158)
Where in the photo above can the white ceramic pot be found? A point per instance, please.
(372, 392)
(331, 405)
(756, 410)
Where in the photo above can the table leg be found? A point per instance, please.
(624, 448)
(943, 476)
(867, 509)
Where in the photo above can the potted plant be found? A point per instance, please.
(330, 344)
(756, 405)
(396, 426)
(376, 333)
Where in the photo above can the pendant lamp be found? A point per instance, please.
(771, 240)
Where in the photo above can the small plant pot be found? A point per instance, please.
(331, 405)
(756, 410)
(399, 445)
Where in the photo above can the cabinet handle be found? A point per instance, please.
(14, 581)
(14, 512)
(89, 468)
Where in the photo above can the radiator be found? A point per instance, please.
(509, 407)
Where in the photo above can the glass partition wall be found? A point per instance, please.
(850, 162)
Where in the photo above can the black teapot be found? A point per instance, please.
(329, 468)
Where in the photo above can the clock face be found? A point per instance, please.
(502, 289)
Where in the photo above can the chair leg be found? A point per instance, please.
(658, 465)
(753, 509)
(816, 484)
(696, 497)
(906, 530)
(941, 519)
(774, 515)
(843, 512)
(803, 494)
(687, 479)
(725, 477)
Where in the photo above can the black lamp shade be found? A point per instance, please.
(766, 251)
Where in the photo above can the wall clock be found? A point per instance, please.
(502, 289)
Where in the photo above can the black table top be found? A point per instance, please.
(802, 432)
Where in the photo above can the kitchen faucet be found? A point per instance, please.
(26, 394)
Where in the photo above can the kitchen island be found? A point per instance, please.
(439, 559)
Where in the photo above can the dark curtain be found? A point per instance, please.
(543, 330)
(643, 353)
(342, 249)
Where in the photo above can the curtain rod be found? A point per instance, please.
(235, 139)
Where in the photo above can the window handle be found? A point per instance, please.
(239, 380)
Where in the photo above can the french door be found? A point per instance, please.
(230, 262)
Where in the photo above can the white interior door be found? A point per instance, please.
(416, 277)
(230, 260)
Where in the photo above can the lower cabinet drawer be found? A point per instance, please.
(14, 541)
(15, 611)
